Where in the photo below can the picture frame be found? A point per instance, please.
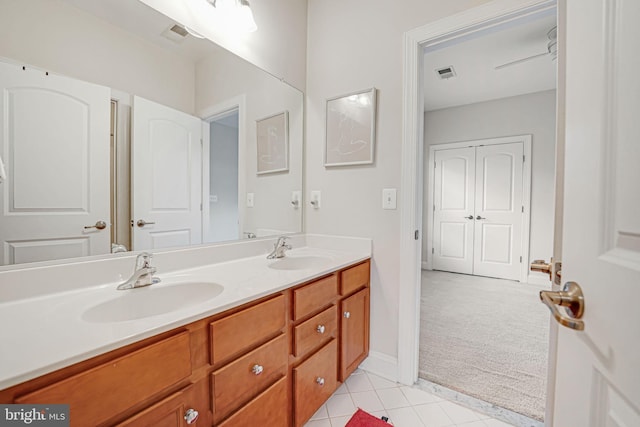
(350, 129)
(272, 143)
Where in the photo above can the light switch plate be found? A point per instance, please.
(315, 199)
(389, 198)
(249, 200)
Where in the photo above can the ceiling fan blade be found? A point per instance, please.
(517, 61)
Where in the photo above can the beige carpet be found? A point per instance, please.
(487, 338)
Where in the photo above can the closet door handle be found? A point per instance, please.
(480, 217)
(469, 217)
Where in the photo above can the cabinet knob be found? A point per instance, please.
(347, 315)
(320, 329)
(320, 381)
(191, 416)
(257, 369)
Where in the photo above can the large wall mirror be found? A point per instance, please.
(122, 130)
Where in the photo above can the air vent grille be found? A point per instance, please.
(179, 30)
(446, 72)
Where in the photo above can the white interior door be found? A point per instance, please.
(166, 161)
(454, 189)
(498, 211)
(598, 369)
(54, 143)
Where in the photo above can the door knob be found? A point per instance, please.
(100, 225)
(142, 223)
(469, 217)
(572, 299)
(541, 266)
(480, 217)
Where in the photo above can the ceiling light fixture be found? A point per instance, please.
(237, 14)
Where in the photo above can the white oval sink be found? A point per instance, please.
(300, 262)
(151, 301)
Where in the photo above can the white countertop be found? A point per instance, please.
(44, 333)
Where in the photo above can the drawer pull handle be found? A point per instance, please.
(347, 315)
(257, 369)
(191, 416)
(320, 381)
(320, 329)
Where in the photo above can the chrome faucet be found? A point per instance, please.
(279, 247)
(142, 275)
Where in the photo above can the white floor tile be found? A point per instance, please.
(458, 414)
(432, 415)
(380, 414)
(478, 423)
(339, 421)
(340, 405)
(367, 401)
(404, 417)
(341, 390)
(356, 383)
(319, 423)
(379, 382)
(392, 398)
(320, 413)
(415, 396)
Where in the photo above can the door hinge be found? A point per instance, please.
(416, 235)
(200, 207)
(522, 209)
(435, 165)
(523, 156)
(520, 259)
(434, 207)
(433, 251)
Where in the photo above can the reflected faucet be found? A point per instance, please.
(142, 275)
(279, 247)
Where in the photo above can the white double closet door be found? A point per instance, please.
(479, 208)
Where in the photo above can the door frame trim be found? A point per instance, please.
(526, 192)
(463, 23)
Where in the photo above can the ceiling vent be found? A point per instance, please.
(175, 33)
(446, 72)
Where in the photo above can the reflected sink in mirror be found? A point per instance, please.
(299, 262)
(151, 301)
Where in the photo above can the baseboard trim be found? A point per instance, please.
(425, 265)
(382, 365)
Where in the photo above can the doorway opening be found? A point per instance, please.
(483, 337)
(223, 177)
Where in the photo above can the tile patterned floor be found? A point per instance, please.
(405, 406)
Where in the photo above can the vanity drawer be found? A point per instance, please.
(237, 382)
(267, 410)
(316, 331)
(309, 298)
(101, 393)
(314, 382)
(240, 331)
(354, 278)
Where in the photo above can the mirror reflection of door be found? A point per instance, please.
(223, 221)
(54, 144)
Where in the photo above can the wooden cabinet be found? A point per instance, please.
(272, 362)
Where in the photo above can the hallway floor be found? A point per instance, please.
(405, 406)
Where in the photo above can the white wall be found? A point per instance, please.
(60, 38)
(355, 45)
(533, 114)
(278, 46)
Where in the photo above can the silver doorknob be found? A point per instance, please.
(320, 329)
(142, 223)
(347, 315)
(257, 369)
(469, 217)
(191, 416)
(320, 381)
(572, 299)
(480, 217)
(100, 225)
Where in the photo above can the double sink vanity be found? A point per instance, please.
(227, 337)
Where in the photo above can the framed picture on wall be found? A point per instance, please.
(273, 143)
(350, 129)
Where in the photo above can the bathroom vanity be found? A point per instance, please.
(271, 360)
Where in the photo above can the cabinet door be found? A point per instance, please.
(354, 338)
